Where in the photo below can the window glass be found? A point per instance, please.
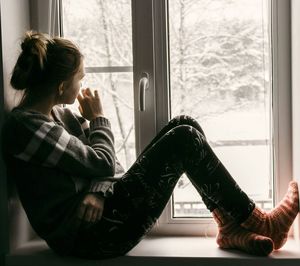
(220, 69)
(102, 29)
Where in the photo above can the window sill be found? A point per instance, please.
(160, 251)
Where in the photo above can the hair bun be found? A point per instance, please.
(35, 44)
(44, 63)
(31, 61)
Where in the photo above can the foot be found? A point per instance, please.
(276, 223)
(232, 235)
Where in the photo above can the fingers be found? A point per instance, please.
(80, 109)
(83, 91)
(79, 98)
(81, 211)
(94, 217)
(89, 214)
(90, 104)
(96, 94)
(88, 92)
(91, 208)
(99, 216)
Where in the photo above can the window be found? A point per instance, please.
(214, 60)
(220, 69)
(102, 29)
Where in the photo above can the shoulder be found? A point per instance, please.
(26, 117)
(9, 125)
(19, 126)
(16, 118)
(23, 124)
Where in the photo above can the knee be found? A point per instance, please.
(183, 120)
(187, 131)
(186, 120)
(187, 140)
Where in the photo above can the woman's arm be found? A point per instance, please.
(35, 140)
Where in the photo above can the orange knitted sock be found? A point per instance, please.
(232, 235)
(276, 223)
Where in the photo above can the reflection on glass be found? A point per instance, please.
(220, 75)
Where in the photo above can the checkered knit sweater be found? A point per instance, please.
(54, 164)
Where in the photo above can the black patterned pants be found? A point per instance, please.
(141, 195)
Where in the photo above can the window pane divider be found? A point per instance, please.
(109, 69)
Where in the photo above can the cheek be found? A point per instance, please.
(71, 94)
(78, 88)
(75, 90)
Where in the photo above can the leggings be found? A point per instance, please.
(142, 193)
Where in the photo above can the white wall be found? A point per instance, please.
(3, 195)
(295, 9)
(296, 85)
(15, 21)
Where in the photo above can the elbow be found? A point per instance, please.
(111, 167)
(105, 164)
(111, 171)
(104, 169)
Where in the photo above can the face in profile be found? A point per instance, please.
(71, 88)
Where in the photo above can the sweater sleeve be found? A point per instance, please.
(97, 185)
(46, 143)
(83, 124)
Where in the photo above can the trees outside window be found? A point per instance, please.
(220, 67)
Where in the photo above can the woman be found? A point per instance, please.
(73, 189)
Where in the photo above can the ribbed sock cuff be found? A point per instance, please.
(255, 218)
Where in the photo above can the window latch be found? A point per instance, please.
(143, 86)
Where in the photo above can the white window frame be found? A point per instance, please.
(282, 96)
(295, 55)
(150, 55)
(281, 121)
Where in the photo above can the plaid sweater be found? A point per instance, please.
(55, 163)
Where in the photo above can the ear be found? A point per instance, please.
(61, 89)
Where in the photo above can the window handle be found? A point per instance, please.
(143, 86)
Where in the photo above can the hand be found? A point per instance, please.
(90, 105)
(91, 208)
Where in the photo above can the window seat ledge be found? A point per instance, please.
(154, 250)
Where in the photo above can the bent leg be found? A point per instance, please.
(137, 202)
(143, 192)
(178, 121)
(174, 122)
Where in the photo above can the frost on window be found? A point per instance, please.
(220, 74)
